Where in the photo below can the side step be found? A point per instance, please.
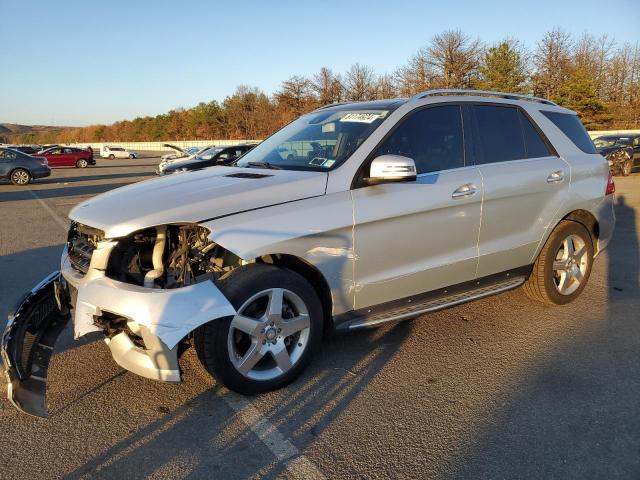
(414, 308)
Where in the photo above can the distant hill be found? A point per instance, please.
(10, 128)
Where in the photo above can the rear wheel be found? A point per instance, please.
(20, 176)
(563, 267)
(132, 156)
(272, 337)
(112, 157)
(82, 163)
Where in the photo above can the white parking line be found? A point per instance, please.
(297, 463)
(57, 218)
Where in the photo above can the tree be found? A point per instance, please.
(553, 64)
(327, 86)
(360, 83)
(416, 76)
(385, 87)
(454, 58)
(294, 98)
(579, 94)
(503, 68)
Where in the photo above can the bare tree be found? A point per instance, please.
(295, 97)
(553, 63)
(327, 86)
(385, 87)
(360, 83)
(455, 59)
(416, 76)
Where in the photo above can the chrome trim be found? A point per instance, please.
(485, 93)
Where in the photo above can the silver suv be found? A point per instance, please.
(353, 215)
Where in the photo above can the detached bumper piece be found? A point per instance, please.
(28, 341)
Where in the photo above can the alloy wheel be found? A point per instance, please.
(570, 264)
(269, 334)
(20, 177)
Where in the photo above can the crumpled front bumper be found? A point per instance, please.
(154, 321)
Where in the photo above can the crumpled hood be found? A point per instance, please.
(194, 196)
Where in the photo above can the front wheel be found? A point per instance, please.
(112, 157)
(132, 156)
(272, 337)
(562, 269)
(82, 163)
(627, 167)
(20, 176)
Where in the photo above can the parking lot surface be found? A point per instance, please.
(500, 388)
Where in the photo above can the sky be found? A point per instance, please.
(78, 63)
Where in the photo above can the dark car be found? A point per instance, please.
(21, 168)
(28, 149)
(68, 157)
(209, 158)
(621, 151)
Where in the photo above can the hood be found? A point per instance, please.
(192, 197)
(174, 147)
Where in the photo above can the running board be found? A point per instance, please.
(412, 309)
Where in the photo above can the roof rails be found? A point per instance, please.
(483, 93)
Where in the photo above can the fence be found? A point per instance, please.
(159, 146)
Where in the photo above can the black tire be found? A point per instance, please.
(20, 176)
(542, 284)
(131, 157)
(82, 163)
(211, 340)
(112, 157)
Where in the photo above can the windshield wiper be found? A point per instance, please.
(268, 165)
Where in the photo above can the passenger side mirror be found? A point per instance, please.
(391, 168)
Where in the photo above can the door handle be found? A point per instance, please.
(466, 190)
(555, 177)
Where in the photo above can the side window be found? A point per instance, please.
(9, 155)
(55, 151)
(68, 150)
(432, 137)
(497, 136)
(1, 155)
(533, 142)
(636, 142)
(572, 127)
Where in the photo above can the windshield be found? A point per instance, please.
(317, 141)
(209, 154)
(604, 142)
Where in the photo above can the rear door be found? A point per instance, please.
(68, 157)
(5, 164)
(524, 182)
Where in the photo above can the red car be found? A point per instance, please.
(68, 157)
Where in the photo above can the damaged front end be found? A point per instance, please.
(28, 340)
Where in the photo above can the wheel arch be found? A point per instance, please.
(587, 220)
(310, 273)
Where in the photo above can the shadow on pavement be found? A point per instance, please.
(575, 413)
(59, 192)
(88, 178)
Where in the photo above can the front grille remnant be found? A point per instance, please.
(81, 242)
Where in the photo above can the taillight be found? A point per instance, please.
(611, 186)
(43, 161)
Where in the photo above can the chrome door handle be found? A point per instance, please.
(555, 177)
(466, 190)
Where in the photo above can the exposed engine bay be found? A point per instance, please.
(169, 257)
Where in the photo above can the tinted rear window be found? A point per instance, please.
(497, 134)
(533, 142)
(572, 127)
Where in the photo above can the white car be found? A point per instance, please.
(398, 208)
(112, 152)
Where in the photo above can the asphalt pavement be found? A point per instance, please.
(500, 388)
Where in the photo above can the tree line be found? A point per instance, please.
(592, 75)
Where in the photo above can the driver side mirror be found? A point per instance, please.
(391, 168)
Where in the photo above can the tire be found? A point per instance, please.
(112, 157)
(247, 363)
(558, 275)
(131, 157)
(627, 167)
(20, 176)
(82, 163)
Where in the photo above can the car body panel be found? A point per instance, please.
(193, 197)
(21, 160)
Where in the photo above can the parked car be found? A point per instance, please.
(68, 157)
(178, 152)
(28, 149)
(210, 158)
(20, 168)
(621, 151)
(171, 157)
(112, 152)
(421, 204)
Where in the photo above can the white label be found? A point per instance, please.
(360, 117)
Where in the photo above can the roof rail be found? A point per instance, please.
(330, 105)
(485, 93)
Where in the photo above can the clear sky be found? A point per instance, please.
(82, 62)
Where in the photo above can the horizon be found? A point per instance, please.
(191, 44)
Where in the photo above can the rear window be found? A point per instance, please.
(572, 127)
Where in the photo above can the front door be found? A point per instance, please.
(418, 236)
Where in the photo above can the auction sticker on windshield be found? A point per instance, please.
(368, 117)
